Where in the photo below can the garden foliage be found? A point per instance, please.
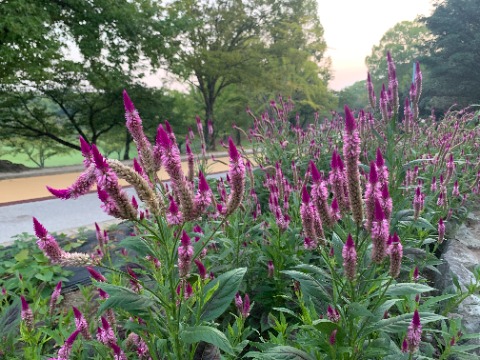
(320, 243)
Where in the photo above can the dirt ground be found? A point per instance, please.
(34, 188)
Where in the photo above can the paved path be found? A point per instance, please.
(23, 198)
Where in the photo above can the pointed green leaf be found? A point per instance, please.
(207, 334)
(228, 285)
(407, 289)
(123, 298)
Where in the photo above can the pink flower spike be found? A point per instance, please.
(201, 269)
(98, 158)
(232, 151)
(305, 195)
(202, 183)
(65, 350)
(85, 147)
(96, 275)
(26, 313)
(414, 334)
(127, 102)
(55, 296)
(441, 230)
(185, 239)
(333, 337)
(350, 124)
(163, 139)
(59, 193)
(40, 230)
(349, 255)
(316, 176)
(246, 306)
(380, 162)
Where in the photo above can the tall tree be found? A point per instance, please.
(250, 43)
(48, 92)
(406, 42)
(455, 54)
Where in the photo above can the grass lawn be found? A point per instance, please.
(71, 158)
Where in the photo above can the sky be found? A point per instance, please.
(353, 27)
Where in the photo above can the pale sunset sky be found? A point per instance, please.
(353, 27)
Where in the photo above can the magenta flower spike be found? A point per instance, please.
(351, 153)
(349, 255)
(380, 234)
(414, 333)
(238, 302)
(270, 269)
(81, 186)
(66, 349)
(455, 190)
(185, 255)
(95, 274)
(81, 324)
(246, 306)
(237, 178)
(333, 314)
(54, 298)
(174, 216)
(372, 193)
(316, 176)
(396, 254)
(338, 182)
(203, 197)
(135, 127)
(416, 275)
(118, 352)
(201, 269)
(333, 337)
(307, 215)
(105, 333)
(441, 231)
(418, 202)
(26, 314)
(47, 243)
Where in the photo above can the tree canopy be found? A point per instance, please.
(406, 43)
(263, 46)
(455, 54)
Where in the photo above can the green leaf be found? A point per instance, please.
(309, 286)
(434, 300)
(207, 334)
(138, 245)
(355, 309)
(407, 289)
(10, 319)
(280, 353)
(123, 298)
(386, 306)
(312, 269)
(22, 255)
(228, 285)
(400, 323)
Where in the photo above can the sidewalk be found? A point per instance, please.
(31, 185)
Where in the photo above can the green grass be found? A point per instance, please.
(71, 158)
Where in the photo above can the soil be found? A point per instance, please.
(7, 167)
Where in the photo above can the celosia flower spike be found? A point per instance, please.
(54, 297)
(441, 230)
(26, 313)
(81, 324)
(351, 152)
(396, 254)
(414, 334)
(66, 349)
(237, 178)
(349, 255)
